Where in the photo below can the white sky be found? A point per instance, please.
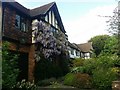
(83, 28)
(80, 17)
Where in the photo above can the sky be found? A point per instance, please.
(82, 19)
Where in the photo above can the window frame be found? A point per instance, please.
(24, 21)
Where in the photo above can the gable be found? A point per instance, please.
(51, 18)
(40, 10)
(50, 14)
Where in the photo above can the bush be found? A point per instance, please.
(52, 67)
(87, 67)
(69, 79)
(102, 78)
(25, 85)
(82, 81)
(78, 80)
(10, 69)
(77, 62)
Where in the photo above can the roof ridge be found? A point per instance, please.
(44, 5)
(52, 3)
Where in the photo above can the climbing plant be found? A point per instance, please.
(49, 41)
(51, 51)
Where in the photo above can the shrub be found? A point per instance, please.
(80, 69)
(9, 67)
(82, 81)
(52, 67)
(69, 79)
(78, 80)
(103, 77)
(77, 62)
(89, 65)
(25, 85)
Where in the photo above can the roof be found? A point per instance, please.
(85, 47)
(73, 45)
(18, 6)
(41, 10)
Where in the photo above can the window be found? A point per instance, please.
(56, 24)
(50, 17)
(21, 23)
(53, 19)
(24, 26)
(77, 53)
(46, 18)
(72, 51)
(17, 21)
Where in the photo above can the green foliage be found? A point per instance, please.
(78, 80)
(98, 43)
(103, 77)
(25, 85)
(9, 67)
(77, 62)
(100, 69)
(106, 61)
(69, 79)
(111, 45)
(87, 66)
(47, 68)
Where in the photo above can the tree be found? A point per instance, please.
(98, 43)
(113, 22)
(114, 25)
(111, 45)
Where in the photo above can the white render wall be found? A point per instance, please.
(74, 55)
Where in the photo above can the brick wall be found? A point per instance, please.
(30, 49)
(31, 63)
(10, 31)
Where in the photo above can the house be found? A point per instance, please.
(86, 50)
(74, 51)
(17, 30)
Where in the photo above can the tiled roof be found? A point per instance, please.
(73, 45)
(85, 47)
(41, 10)
(18, 6)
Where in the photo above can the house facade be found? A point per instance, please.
(17, 30)
(74, 51)
(86, 50)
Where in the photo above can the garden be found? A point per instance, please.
(96, 73)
